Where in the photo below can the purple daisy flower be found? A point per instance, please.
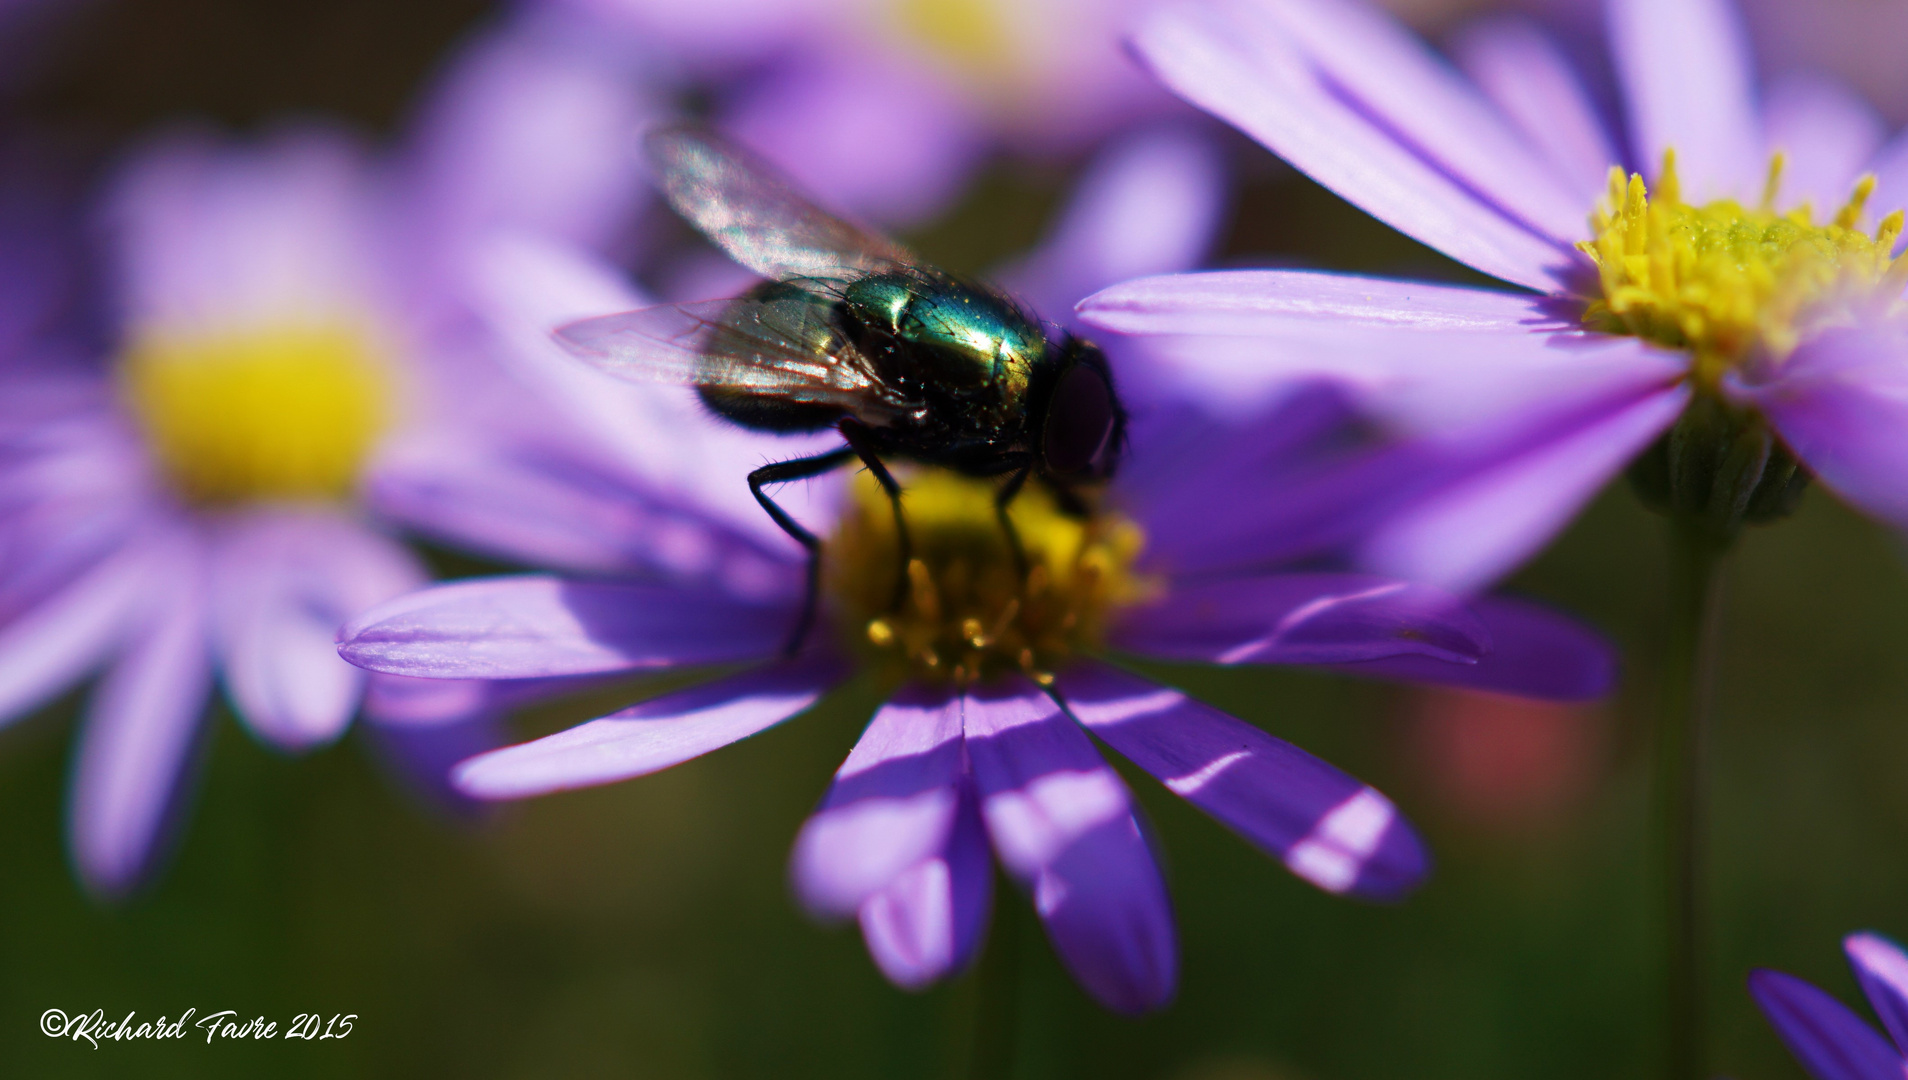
(1830, 1041)
(285, 347)
(996, 678)
(1728, 291)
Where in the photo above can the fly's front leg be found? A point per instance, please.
(1002, 499)
(862, 445)
(782, 472)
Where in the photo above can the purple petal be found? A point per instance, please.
(1303, 619)
(1294, 302)
(1063, 826)
(421, 757)
(283, 581)
(1831, 1042)
(1826, 134)
(1882, 969)
(140, 730)
(1238, 64)
(1686, 74)
(50, 646)
(1490, 517)
(892, 804)
(535, 625)
(1153, 203)
(1841, 403)
(1535, 652)
(1401, 86)
(1891, 179)
(1325, 826)
(654, 735)
(1520, 70)
(928, 921)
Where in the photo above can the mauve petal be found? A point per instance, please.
(1831, 1042)
(53, 644)
(1484, 522)
(1236, 63)
(1294, 302)
(1063, 826)
(1687, 77)
(1826, 134)
(421, 757)
(1396, 81)
(1882, 969)
(1325, 826)
(1840, 402)
(136, 746)
(927, 923)
(1303, 619)
(1522, 72)
(1152, 203)
(1535, 652)
(1891, 179)
(535, 626)
(891, 806)
(283, 581)
(654, 735)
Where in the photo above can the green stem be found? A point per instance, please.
(1681, 782)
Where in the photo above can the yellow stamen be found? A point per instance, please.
(1728, 283)
(284, 412)
(969, 612)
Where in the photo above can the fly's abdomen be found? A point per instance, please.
(772, 326)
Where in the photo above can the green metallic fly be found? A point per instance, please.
(852, 331)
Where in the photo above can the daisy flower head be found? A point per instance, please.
(1000, 663)
(1726, 267)
(1829, 1040)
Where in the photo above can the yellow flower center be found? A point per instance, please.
(973, 38)
(1729, 282)
(968, 611)
(280, 412)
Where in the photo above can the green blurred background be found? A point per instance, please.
(645, 929)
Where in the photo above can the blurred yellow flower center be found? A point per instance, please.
(968, 611)
(970, 34)
(1728, 282)
(284, 412)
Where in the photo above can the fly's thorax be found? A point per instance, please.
(1734, 284)
(968, 611)
(937, 336)
(259, 413)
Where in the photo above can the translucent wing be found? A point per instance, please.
(746, 207)
(779, 345)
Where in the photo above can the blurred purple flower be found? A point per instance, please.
(1830, 1041)
(1521, 405)
(285, 340)
(994, 756)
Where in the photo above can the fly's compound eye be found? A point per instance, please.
(1081, 418)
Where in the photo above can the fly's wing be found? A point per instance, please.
(780, 346)
(749, 210)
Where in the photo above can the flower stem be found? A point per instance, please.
(1681, 783)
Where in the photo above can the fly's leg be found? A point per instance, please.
(781, 472)
(860, 444)
(1004, 498)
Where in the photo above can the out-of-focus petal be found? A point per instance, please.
(891, 806)
(1062, 824)
(927, 923)
(535, 626)
(1831, 1042)
(49, 646)
(1687, 79)
(140, 730)
(1520, 69)
(1303, 619)
(1325, 826)
(1150, 204)
(283, 581)
(1891, 179)
(1239, 64)
(1535, 652)
(654, 735)
(1826, 134)
(1882, 969)
(1841, 403)
(1289, 303)
(1485, 520)
(421, 756)
(817, 116)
